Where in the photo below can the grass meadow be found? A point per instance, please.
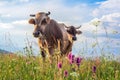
(17, 67)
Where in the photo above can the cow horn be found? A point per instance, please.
(32, 15)
(78, 27)
(48, 13)
(67, 26)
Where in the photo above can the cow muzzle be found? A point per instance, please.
(74, 38)
(36, 34)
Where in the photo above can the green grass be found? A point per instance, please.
(14, 67)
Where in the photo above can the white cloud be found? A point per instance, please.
(6, 25)
(111, 17)
(59, 11)
(107, 7)
(110, 4)
(87, 27)
(24, 0)
(109, 14)
(119, 25)
(14, 24)
(20, 22)
(111, 22)
(12, 2)
(108, 23)
(5, 15)
(2, 3)
(20, 27)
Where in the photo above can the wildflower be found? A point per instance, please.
(28, 62)
(96, 22)
(70, 56)
(59, 65)
(65, 73)
(72, 59)
(94, 69)
(78, 61)
(36, 68)
(74, 74)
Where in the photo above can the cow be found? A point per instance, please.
(73, 31)
(51, 34)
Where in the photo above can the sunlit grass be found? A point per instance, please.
(13, 67)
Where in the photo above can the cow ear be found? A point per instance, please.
(48, 19)
(79, 32)
(31, 21)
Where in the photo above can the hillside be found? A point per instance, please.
(4, 51)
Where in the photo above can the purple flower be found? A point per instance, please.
(94, 69)
(78, 61)
(59, 65)
(71, 58)
(70, 55)
(65, 73)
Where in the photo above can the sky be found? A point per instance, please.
(14, 27)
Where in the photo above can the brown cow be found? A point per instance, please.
(73, 31)
(51, 35)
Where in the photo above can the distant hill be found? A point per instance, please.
(4, 51)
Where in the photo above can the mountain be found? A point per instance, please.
(4, 51)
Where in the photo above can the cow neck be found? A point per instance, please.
(42, 37)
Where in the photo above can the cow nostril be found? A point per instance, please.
(74, 38)
(36, 34)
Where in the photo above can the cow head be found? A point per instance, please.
(39, 21)
(73, 31)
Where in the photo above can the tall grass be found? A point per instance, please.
(14, 67)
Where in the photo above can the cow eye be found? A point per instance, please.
(44, 21)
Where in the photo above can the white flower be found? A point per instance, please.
(95, 22)
(74, 74)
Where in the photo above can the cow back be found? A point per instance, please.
(53, 33)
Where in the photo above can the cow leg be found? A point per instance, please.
(43, 55)
(43, 60)
(62, 48)
(51, 51)
(68, 48)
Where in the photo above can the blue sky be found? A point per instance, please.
(14, 16)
